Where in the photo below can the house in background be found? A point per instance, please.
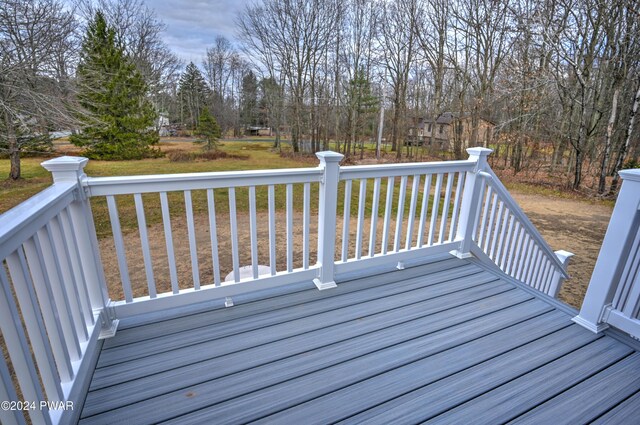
(444, 131)
(162, 124)
(257, 131)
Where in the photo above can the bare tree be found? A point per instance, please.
(398, 41)
(36, 43)
(357, 57)
(578, 41)
(487, 36)
(622, 61)
(293, 47)
(218, 65)
(434, 21)
(624, 146)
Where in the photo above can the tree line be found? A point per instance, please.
(561, 77)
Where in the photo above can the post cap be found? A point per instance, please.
(478, 151)
(633, 174)
(564, 256)
(329, 156)
(66, 168)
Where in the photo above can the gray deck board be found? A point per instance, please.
(289, 325)
(363, 334)
(174, 326)
(601, 392)
(630, 408)
(431, 400)
(309, 361)
(451, 368)
(391, 295)
(445, 341)
(528, 391)
(421, 356)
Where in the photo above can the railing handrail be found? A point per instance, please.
(524, 220)
(21, 221)
(125, 185)
(395, 170)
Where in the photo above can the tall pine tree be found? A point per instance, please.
(249, 99)
(118, 120)
(194, 95)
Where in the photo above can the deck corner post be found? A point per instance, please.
(71, 169)
(66, 168)
(330, 163)
(470, 201)
(558, 278)
(622, 231)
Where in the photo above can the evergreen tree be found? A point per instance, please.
(271, 106)
(208, 129)
(362, 103)
(249, 99)
(194, 94)
(119, 120)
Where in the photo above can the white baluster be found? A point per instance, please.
(144, 242)
(346, 220)
(374, 217)
(213, 234)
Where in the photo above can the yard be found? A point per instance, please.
(573, 224)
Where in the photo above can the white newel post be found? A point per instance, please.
(556, 282)
(470, 201)
(612, 257)
(69, 168)
(330, 162)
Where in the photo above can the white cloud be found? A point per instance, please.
(193, 24)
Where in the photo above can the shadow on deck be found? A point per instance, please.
(445, 342)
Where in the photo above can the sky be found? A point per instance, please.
(193, 24)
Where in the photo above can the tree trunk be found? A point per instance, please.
(577, 172)
(607, 144)
(580, 143)
(14, 149)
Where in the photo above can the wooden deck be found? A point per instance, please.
(443, 342)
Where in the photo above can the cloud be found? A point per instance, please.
(192, 25)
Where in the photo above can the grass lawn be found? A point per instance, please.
(35, 178)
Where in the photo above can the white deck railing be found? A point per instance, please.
(505, 235)
(319, 223)
(52, 286)
(613, 295)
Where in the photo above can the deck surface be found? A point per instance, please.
(446, 342)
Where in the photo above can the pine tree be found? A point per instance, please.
(118, 120)
(194, 94)
(208, 129)
(249, 99)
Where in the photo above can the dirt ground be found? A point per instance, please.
(572, 225)
(575, 226)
